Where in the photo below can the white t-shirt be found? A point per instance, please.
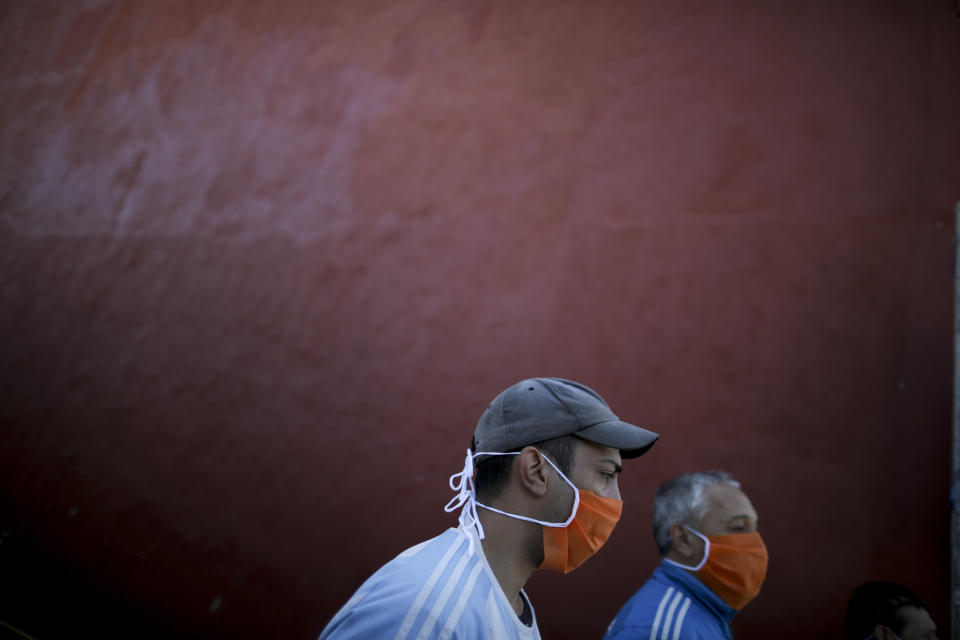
(437, 590)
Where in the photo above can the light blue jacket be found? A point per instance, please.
(437, 590)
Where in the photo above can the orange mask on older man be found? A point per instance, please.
(733, 566)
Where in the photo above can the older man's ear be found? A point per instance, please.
(684, 543)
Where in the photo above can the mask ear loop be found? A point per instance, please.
(576, 496)
(706, 551)
(466, 499)
(873, 635)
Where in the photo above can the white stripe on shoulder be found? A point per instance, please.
(414, 550)
(493, 615)
(421, 598)
(669, 618)
(680, 616)
(656, 620)
(457, 611)
(452, 580)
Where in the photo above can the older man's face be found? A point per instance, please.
(729, 511)
(919, 625)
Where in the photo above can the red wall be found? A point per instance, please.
(262, 265)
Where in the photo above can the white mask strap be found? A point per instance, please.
(466, 499)
(706, 551)
(873, 635)
(576, 496)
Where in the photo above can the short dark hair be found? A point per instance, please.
(493, 472)
(879, 602)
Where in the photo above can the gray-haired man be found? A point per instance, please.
(714, 562)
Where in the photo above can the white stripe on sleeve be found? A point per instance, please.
(457, 611)
(656, 620)
(421, 598)
(441, 601)
(680, 617)
(673, 607)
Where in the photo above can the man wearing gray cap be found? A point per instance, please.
(547, 453)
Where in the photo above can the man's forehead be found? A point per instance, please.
(592, 452)
(726, 502)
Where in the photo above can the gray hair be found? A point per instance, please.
(681, 501)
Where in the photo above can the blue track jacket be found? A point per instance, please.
(672, 605)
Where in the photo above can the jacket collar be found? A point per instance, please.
(694, 588)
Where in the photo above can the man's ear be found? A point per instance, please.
(531, 471)
(680, 538)
(880, 632)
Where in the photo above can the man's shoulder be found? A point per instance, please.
(413, 569)
(426, 554)
(647, 598)
(659, 609)
(424, 590)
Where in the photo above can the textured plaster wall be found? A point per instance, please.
(262, 266)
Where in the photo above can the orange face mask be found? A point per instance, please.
(733, 566)
(566, 548)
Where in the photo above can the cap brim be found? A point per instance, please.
(631, 440)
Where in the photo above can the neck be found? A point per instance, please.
(514, 550)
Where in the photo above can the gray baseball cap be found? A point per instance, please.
(542, 408)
